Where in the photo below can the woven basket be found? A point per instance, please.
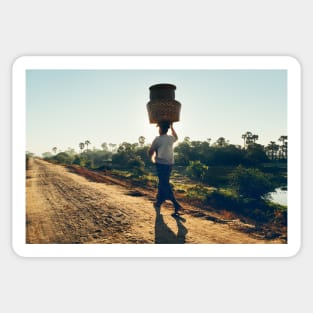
(162, 106)
(163, 111)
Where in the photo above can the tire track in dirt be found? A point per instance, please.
(66, 211)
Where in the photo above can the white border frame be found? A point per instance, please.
(155, 62)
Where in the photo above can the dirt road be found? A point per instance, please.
(63, 207)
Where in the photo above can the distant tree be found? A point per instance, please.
(249, 138)
(255, 154)
(64, 158)
(70, 151)
(221, 142)
(54, 149)
(141, 140)
(120, 160)
(30, 154)
(87, 142)
(47, 155)
(183, 152)
(81, 146)
(283, 139)
(124, 153)
(187, 139)
(142, 152)
(125, 147)
(200, 151)
(227, 155)
(244, 136)
(99, 158)
(112, 146)
(104, 146)
(283, 147)
(272, 149)
(254, 138)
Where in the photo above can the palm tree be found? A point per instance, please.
(81, 146)
(283, 146)
(54, 149)
(255, 138)
(87, 142)
(246, 138)
(272, 149)
(283, 138)
(285, 149)
(249, 138)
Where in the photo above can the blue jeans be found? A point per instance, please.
(165, 191)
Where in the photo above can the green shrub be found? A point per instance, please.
(218, 175)
(63, 158)
(251, 183)
(136, 166)
(198, 192)
(197, 170)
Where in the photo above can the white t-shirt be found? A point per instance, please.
(164, 149)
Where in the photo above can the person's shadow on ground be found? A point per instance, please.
(163, 234)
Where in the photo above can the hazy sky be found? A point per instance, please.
(65, 107)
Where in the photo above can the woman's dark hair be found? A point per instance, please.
(164, 126)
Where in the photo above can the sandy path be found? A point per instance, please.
(63, 207)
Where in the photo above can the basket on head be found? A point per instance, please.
(162, 106)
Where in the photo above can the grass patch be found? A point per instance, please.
(198, 192)
(145, 180)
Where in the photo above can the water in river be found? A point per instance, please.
(279, 196)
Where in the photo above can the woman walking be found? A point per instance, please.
(162, 150)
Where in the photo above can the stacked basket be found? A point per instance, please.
(162, 106)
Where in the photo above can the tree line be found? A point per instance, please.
(134, 155)
(202, 161)
(222, 152)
